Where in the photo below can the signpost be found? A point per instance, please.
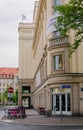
(61, 101)
(10, 90)
(10, 93)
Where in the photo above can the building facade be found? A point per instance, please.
(8, 78)
(55, 80)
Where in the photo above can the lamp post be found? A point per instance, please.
(61, 102)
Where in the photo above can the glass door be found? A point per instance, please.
(62, 103)
(68, 103)
(56, 104)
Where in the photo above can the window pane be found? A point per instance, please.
(57, 103)
(57, 2)
(68, 102)
(63, 102)
(58, 62)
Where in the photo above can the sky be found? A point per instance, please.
(10, 15)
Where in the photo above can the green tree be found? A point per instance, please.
(1, 97)
(71, 17)
(15, 96)
(5, 95)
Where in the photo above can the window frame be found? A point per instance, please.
(56, 62)
(60, 70)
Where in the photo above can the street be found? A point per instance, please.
(11, 126)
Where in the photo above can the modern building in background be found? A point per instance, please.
(48, 78)
(8, 78)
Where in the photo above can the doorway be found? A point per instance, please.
(26, 102)
(61, 103)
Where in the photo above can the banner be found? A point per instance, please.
(38, 79)
(51, 24)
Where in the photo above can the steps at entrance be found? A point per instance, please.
(31, 112)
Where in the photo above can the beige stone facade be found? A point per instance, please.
(55, 80)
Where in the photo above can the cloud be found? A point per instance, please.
(10, 15)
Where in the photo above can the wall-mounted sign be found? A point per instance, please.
(10, 89)
(51, 25)
(66, 86)
(81, 89)
(38, 79)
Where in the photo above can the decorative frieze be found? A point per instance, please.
(58, 41)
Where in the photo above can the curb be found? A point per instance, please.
(38, 124)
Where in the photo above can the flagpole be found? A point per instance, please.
(23, 17)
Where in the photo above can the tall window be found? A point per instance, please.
(26, 89)
(57, 2)
(56, 13)
(58, 62)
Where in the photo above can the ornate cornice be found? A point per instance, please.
(66, 78)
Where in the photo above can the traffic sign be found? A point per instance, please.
(10, 90)
(10, 95)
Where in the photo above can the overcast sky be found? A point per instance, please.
(10, 15)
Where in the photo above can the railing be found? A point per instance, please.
(57, 41)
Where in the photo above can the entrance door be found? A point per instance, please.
(56, 104)
(26, 102)
(62, 103)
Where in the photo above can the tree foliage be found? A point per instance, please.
(71, 17)
(5, 95)
(15, 96)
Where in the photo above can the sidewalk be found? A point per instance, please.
(35, 119)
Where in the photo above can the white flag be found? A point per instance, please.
(23, 17)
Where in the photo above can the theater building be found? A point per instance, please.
(49, 77)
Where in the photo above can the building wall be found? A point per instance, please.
(81, 98)
(72, 65)
(40, 64)
(6, 82)
(26, 32)
(36, 3)
(39, 39)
